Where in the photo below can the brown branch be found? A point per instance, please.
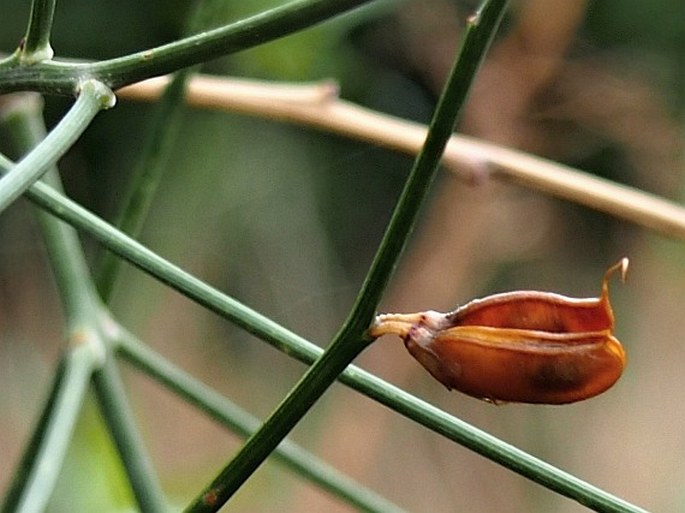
(318, 105)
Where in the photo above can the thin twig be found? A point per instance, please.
(81, 307)
(350, 340)
(61, 76)
(42, 462)
(111, 396)
(319, 106)
(288, 342)
(240, 421)
(93, 97)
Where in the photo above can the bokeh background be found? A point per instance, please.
(287, 219)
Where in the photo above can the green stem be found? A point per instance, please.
(82, 308)
(42, 461)
(481, 29)
(297, 403)
(146, 176)
(351, 340)
(60, 77)
(36, 47)
(93, 96)
(262, 443)
(23, 121)
(141, 475)
(297, 347)
(28, 463)
(149, 170)
(121, 244)
(229, 414)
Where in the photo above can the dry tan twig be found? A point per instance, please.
(318, 105)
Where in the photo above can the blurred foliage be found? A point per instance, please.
(287, 219)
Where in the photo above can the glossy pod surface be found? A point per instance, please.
(526, 346)
(519, 366)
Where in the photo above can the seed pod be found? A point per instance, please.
(523, 346)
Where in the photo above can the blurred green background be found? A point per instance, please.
(286, 219)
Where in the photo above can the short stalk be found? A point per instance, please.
(36, 45)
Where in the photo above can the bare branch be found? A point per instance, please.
(318, 105)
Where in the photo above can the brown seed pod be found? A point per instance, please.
(523, 346)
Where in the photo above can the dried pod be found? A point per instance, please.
(523, 346)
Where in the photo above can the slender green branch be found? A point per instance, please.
(141, 475)
(24, 123)
(398, 400)
(92, 98)
(28, 463)
(61, 77)
(82, 311)
(36, 45)
(481, 30)
(149, 170)
(238, 420)
(305, 351)
(351, 339)
(146, 176)
(41, 464)
(122, 245)
(263, 442)
(22, 118)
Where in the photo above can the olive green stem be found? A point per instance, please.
(111, 396)
(149, 170)
(36, 45)
(84, 315)
(37, 473)
(93, 96)
(238, 420)
(351, 339)
(146, 177)
(481, 29)
(61, 77)
(291, 344)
